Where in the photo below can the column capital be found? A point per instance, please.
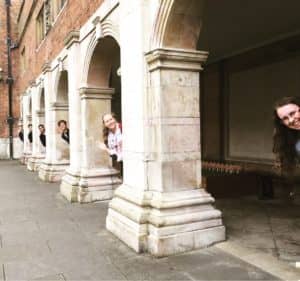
(40, 82)
(179, 59)
(46, 67)
(25, 94)
(71, 38)
(28, 118)
(96, 93)
(32, 83)
(40, 113)
(56, 106)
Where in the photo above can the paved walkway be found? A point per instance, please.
(43, 237)
(271, 226)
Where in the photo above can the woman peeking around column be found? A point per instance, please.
(287, 138)
(112, 137)
(64, 130)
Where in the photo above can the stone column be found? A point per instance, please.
(57, 152)
(27, 144)
(70, 181)
(98, 178)
(26, 122)
(39, 151)
(36, 158)
(57, 160)
(22, 122)
(170, 214)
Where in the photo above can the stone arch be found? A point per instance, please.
(104, 60)
(41, 99)
(109, 29)
(29, 108)
(61, 88)
(178, 24)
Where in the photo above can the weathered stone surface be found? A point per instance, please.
(52, 172)
(56, 240)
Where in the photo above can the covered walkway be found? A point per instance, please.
(44, 237)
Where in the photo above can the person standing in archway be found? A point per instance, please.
(287, 138)
(112, 137)
(64, 130)
(21, 133)
(29, 133)
(42, 135)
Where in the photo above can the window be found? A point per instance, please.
(56, 6)
(23, 61)
(40, 26)
(43, 21)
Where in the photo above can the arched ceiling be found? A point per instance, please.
(233, 26)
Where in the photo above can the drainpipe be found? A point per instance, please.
(9, 80)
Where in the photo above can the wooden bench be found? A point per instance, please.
(264, 173)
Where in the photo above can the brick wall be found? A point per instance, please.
(73, 16)
(3, 64)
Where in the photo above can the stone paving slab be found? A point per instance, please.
(201, 265)
(270, 264)
(271, 226)
(57, 277)
(44, 237)
(20, 252)
(1, 272)
(27, 270)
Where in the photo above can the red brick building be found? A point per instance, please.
(13, 10)
(36, 44)
(62, 17)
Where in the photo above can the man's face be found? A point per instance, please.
(289, 115)
(109, 122)
(30, 128)
(41, 129)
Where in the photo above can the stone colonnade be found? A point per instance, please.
(159, 206)
(37, 118)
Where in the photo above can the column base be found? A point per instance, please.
(52, 172)
(34, 163)
(26, 157)
(69, 185)
(164, 223)
(97, 184)
(22, 159)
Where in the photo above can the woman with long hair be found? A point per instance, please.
(287, 132)
(287, 136)
(112, 138)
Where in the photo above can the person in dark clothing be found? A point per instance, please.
(30, 133)
(21, 134)
(42, 134)
(64, 130)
